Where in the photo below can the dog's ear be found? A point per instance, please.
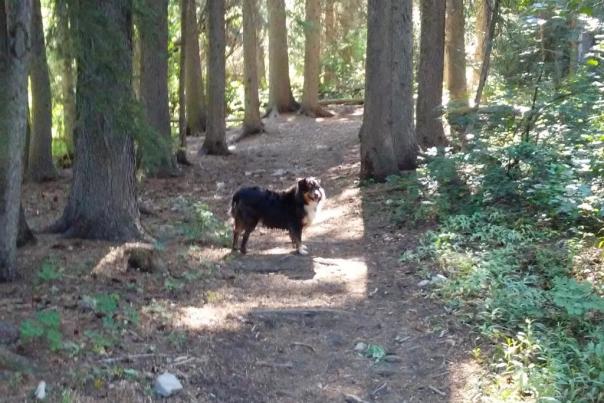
(302, 184)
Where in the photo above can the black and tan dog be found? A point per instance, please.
(292, 210)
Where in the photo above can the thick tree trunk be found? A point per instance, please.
(102, 203)
(194, 88)
(312, 56)
(40, 166)
(251, 121)
(154, 84)
(215, 141)
(430, 131)
(483, 15)
(15, 23)
(387, 136)
(455, 53)
(65, 52)
(281, 99)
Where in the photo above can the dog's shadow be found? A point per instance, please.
(292, 265)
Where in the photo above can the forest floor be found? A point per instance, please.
(270, 326)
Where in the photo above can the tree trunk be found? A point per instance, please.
(65, 52)
(260, 54)
(215, 141)
(40, 166)
(312, 56)
(430, 131)
(154, 84)
(281, 99)
(387, 136)
(329, 74)
(194, 88)
(483, 14)
(15, 23)
(488, 47)
(181, 154)
(455, 53)
(102, 202)
(251, 121)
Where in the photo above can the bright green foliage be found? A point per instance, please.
(204, 226)
(46, 325)
(49, 272)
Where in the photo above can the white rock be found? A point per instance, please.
(360, 347)
(423, 283)
(279, 172)
(439, 278)
(40, 392)
(167, 384)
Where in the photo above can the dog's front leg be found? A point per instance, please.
(295, 234)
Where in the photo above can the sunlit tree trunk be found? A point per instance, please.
(455, 53)
(215, 140)
(15, 23)
(429, 128)
(312, 56)
(194, 87)
(102, 202)
(281, 99)
(483, 14)
(387, 134)
(65, 52)
(154, 84)
(251, 121)
(40, 166)
(329, 74)
(181, 154)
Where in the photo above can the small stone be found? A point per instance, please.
(423, 283)
(40, 392)
(167, 384)
(279, 172)
(360, 347)
(247, 173)
(439, 278)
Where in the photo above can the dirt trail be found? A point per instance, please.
(272, 326)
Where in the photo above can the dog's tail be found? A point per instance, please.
(233, 206)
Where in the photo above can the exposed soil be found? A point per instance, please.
(270, 326)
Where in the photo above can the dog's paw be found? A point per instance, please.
(302, 250)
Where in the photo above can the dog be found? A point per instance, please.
(292, 210)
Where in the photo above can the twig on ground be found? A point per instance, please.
(287, 365)
(308, 346)
(437, 391)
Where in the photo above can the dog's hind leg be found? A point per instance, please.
(246, 235)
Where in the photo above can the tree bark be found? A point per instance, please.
(251, 121)
(15, 23)
(154, 84)
(40, 166)
(312, 56)
(102, 202)
(430, 131)
(387, 136)
(488, 47)
(68, 75)
(455, 53)
(281, 99)
(181, 154)
(215, 140)
(194, 87)
(329, 74)
(483, 14)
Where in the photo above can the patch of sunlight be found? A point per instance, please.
(352, 273)
(207, 317)
(465, 380)
(319, 120)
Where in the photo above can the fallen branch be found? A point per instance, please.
(437, 391)
(344, 101)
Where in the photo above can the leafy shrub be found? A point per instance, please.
(45, 325)
(204, 226)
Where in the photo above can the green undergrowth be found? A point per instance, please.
(516, 222)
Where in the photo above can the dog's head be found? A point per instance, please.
(311, 189)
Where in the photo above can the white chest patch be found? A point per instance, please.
(311, 209)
